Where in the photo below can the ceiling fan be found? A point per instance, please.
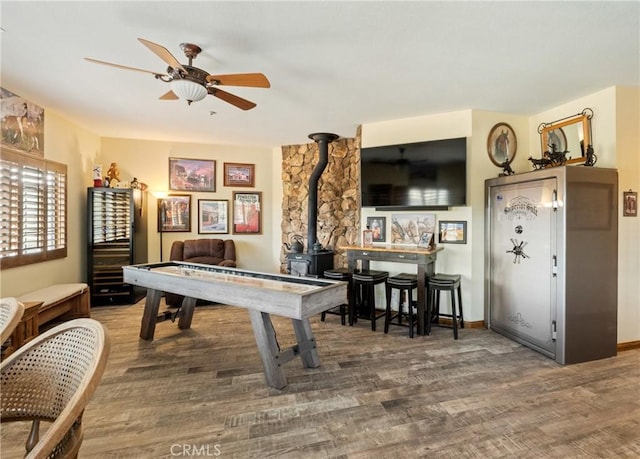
(194, 84)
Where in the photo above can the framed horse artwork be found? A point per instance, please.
(502, 144)
(22, 124)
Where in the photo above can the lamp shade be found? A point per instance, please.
(188, 90)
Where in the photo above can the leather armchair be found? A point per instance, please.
(220, 252)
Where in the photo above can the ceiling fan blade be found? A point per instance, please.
(163, 53)
(123, 66)
(239, 102)
(169, 96)
(256, 80)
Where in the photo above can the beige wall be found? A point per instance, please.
(616, 141)
(628, 163)
(464, 259)
(149, 162)
(70, 144)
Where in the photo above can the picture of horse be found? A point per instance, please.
(502, 144)
(22, 124)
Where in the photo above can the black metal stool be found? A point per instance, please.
(364, 283)
(404, 283)
(341, 274)
(444, 282)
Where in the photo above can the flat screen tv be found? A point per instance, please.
(430, 174)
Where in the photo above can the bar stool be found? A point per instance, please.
(364, 283)
(341, 274)
(439, 283)
(403, 283)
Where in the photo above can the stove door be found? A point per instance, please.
(522, 299)
(299, 267)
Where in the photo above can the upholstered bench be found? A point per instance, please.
(60, 300)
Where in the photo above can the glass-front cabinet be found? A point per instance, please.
(117, 228)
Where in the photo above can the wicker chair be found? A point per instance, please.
(51, 379)
(11, 311)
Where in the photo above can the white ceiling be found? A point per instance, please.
(332, 65)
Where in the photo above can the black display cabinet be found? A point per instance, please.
(117, 227)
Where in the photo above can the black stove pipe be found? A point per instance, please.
(323, 140)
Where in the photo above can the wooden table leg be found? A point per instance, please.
(306, 343)
(268, 348)
(150, 315)
(186, 312)
(351, 299)
(422, 299)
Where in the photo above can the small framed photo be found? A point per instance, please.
(192, 174)
(213, 216)
(426, 240)
(378, 226)
(174, 214)
(630, 203)
(237, 174)
(452, 232)
(247, 212)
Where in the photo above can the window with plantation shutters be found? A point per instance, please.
(33, 223)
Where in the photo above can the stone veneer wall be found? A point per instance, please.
(338, 196)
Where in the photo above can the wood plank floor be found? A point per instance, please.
(201, 392)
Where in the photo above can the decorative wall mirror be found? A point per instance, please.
(569, 136)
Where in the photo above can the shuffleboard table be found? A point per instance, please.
(262, 294)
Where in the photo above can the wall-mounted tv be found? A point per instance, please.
(430, 174)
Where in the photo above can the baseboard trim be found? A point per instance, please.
(627, 346)
(621, 347)
(467, 324)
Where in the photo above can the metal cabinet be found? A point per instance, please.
(551, 261)
(117, 237)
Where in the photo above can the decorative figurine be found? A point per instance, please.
(591, 157)
(97, 175)
(506, 169)
(113, 173)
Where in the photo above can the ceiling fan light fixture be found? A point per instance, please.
(188, 90)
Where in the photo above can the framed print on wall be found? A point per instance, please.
(630, 203)
(502, 144)
(174, 214)
(378, 226)
(452, 232)
(22, 124)
(192, 174)
(213, 216)
(407, 228)
(237, 174)
(247, 212)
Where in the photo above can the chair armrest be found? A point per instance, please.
(177, 251)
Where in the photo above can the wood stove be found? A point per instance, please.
(316, 260)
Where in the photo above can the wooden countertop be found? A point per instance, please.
(392, 248)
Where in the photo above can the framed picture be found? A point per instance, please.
(247, 212)
(236, 174)
(630, 203)
(22, 124)
(213, 216)
(378, 226)
(192, 174)
(407, 228)
(426, 240)
(174, 214)
(502, 144)
(452, 232)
